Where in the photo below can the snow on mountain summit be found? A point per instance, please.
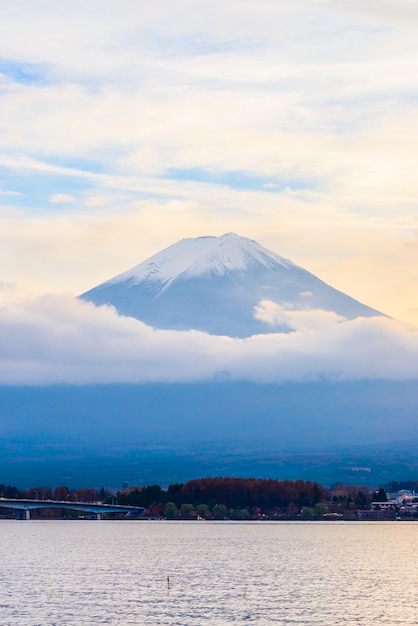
(193, 257)
(216, 284)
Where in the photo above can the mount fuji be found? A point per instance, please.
(357, 430)
(214, 284)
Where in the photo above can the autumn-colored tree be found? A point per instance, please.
(41, 493)
(240, 493)
(61, 493)
(84, 495)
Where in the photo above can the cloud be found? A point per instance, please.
(61, 198)
(6, 286)
(9, 193)
(58, 339)
(94, 201)
(275, 314)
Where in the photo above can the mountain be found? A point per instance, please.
(355, 431)
(213, 284)
(359, 432)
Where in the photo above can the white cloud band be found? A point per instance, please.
(58, 339)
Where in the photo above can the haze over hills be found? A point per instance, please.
(360, 432)
(214, 284)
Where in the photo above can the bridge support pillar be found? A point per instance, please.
(22, 514)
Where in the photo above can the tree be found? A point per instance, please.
(361, 501)
(319, 509)
(306, 513)
(239, 514)
(174, 494)
(41, 493)
(61, 493)
(186, 511)
(86, 494)
(380, 495)
(202, 510)
(9, 491)
(170, 511)
(219, 511)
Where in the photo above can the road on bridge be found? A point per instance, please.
(24, 507)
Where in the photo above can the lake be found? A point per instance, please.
(144, 573)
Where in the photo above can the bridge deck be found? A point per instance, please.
(92, 507)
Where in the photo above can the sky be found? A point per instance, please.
(127, 126)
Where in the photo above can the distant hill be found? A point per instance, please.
(364, 432)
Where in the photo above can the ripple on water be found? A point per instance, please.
(68, 573)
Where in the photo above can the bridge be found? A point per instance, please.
(24, 507)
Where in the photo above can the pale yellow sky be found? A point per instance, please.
(126, 128)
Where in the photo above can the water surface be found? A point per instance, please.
(73, 573)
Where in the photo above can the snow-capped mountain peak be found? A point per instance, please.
(215, 284)
(194, 257)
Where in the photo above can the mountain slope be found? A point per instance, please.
(213, 284)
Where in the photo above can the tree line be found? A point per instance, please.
(232, 498)
(219, 498)
(60, 493)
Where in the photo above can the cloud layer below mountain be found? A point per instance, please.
(58, 339)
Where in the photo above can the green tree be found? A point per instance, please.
(186, 511)
(219, 511)
(307, 513)
(241, 514)
(170, 511)
(319, 509)
(202, 510)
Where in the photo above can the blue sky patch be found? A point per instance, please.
(24, 73)
(35, 189)
(238, 180)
